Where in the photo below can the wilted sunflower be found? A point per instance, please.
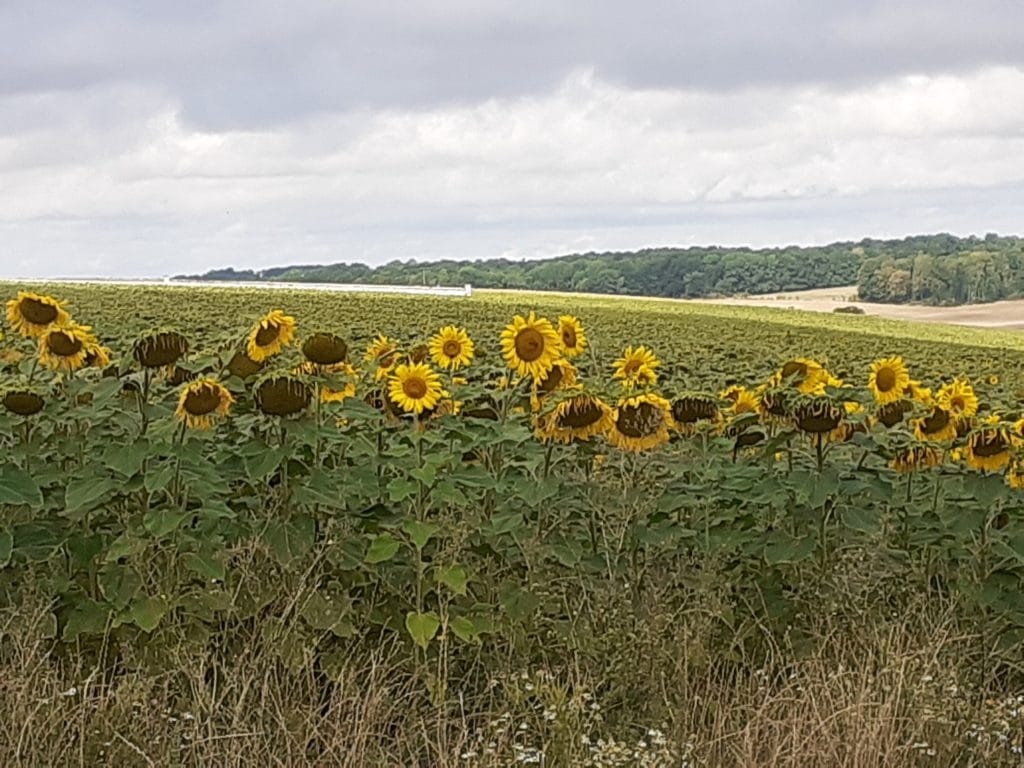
(65, 347)
(451, 348)
(636, 367)
(692, 408)
(641, 422)
(415, 388)
(579, 417)
(270, 335)
(243, 366)
(936, 426)
(282, 395)
(159, 349)
(325, 349)
(989, 447)
(200, 401)
(530, 346)
(574, 340)
(176, 375)
(774, 404)
(958, 399)
(804, 374)
(561, 376)
(817, 414)
(893, 413)
(329, 393)
(1015, 474)
(96, 356)
(22, 401)
(916, 457)
(32, 314)
(888, 379)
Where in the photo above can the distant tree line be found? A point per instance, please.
(884, 270)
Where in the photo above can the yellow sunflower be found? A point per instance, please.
(96, 356)
(270, 335)
(803, 373)
(415, 388)
(916, 457)
(333, 372)
(561, 376)
(989, 447)
(937, 426)
(531, 346)
(65, 347)
(641, 422)
(741, 400)
(32, 314)
(888, 379)
(958, 399)
(202, 400)
(993, 380)
(579, 417)
(636, 367)
(380, 347)
(574, 340)
(1015, 474)
(451, 348)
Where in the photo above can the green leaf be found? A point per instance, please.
(18, 487)
(87, 617)
(518, 603)
(85, 494)
(290, 541)
(259, 465)
(383, 548)
(786, 549)
(422, 627)
(503, 522)
(161, 522)
(118, 585)
(454, 577)
(158, 478)
(400, 489)
(205, 565)
(148, 612)
(425, 475)
(446, 492)
(326, 612)
(122, 546)
(6, 546)
(420, 532)
(126, 458)
(464, 629)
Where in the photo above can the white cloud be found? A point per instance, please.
(112, 180)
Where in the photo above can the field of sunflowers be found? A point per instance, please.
(467, 473)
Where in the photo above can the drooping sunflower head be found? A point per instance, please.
(775, 404)
(693, 408)
(96, 356)
(530, 346)
(636, 368)
(201, 401)
(325, 349)
(917, 457)
(336, 382)
(578, 417)
(415, 387)
(159, 349)
(888, 379)
(817, 414)
(280, 394)
(176, 375)
(65, 347)
(641, 422)
(1015, 474)
(893, 413)
(989, 447)
(270, 335)
(574, 339)
(22, 401)
(32, 314)
(561, 376)
(958, 398)
(243, 366)
(451, 348)
(802, 373)
(918, 393)
(937, 426)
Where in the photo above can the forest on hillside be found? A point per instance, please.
(933, 269)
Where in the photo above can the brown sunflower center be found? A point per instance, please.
(63, 344)
(283, 396)
(552, 380)
(936, 422)
(452, 348)
(325, 349)
(688, 410)
(892, 414)
(414, 388)
(243, 366)
(202, 400)
(23, 403)
(268, 335)
(818, 418)
(989, 444)
(957, 403)
(631, 366)
(569, 337)
(529, 344)
(579, 415)
(640, 420)
(885, 380)
(38, 312)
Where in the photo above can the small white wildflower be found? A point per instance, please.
(72, 691)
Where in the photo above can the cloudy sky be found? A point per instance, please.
(153, 138)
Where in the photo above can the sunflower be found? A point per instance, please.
(636, 367)
(380, 347)
(530, 346)
(325, 349)
(690, 409)
(775, 404)
(22, 402)
(282, 394)
(641, 422)
(741, 400)
(1015, 474)
(451, 348)
(415, 388)
(937, 426)
(32, 314)
(330, 394)
(96, 356)
(993, 380)
(893, 413)
(65, 347)
(561, 376)
(574, 340)
(916, 457)
(916, 392)
(243, 366)
(958, 399)
(888, 379)
(988, 448)
(804, 374)
(200, 401)
(817, 414)
(579, 417)
(270, 335)
(159, 349)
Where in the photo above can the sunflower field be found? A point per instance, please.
(470, 476)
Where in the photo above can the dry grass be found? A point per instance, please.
(892, 694)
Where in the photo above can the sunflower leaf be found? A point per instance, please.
(422, 627)
(6, 546)
(400, 489)
(420, 532)
(382, 549)
(454, 577)
(18, 487)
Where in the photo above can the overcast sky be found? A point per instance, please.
(154, 138)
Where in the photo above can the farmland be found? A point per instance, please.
(315, 528)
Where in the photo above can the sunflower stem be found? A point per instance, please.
(144, 401)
